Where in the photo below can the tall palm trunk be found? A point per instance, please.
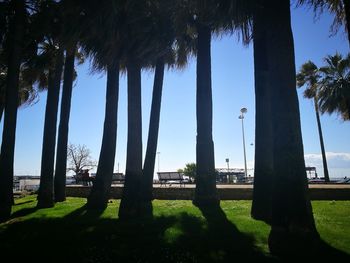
(99, 194)
(291, 208)
(205, 192)
(62, 140)
(324, 158)
(347, 17)
(2, 107)
(11, 103)
(263, 167)
(130, 202)
(150, 158)
(45, 194)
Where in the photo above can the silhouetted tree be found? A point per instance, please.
(309, 75)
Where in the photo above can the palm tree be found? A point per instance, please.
(45, 193)
(209, 16)
(263, 166)
(71, 35)
(247, 18)
(340, 8)
(291, 211)
(309, 76)
(101, 40)
(201, 14)
(205, 184)
(138, 33)
(163, 34)
(62, 140)
(15, 43)
(148, 167)
(50, 16)
(130, 202)
(334, 94)
(99, 194)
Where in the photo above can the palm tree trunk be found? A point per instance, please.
(11, 104)
(292, 217)
(99, 195)
(62, 140)
(205, 192)
(130, 202)
(2, 106)
(324, 158)
(45, 194)
(347, 17)
(263, 167)
(150, 158)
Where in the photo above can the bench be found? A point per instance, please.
(118, 178)
(85, 180)
(171, 177)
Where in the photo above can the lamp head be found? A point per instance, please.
(244, 110)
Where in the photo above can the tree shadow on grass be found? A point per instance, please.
(86, 236)
(321, 251)
(25, 202)
(225, 243)
(85, 214)
(325, 252)
(80, 238)
(23, 212)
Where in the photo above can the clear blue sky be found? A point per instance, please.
(233, 88)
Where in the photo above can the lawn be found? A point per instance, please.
(178, 232)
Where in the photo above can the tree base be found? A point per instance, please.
(146, 209)
(292, 243)
(5, 213)
(202, 201)
(128, 210)
(60, 199)
(262, 217)
(45, 204)
(96, 201)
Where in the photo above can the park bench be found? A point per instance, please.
(85, 180)
(170, 178)
(118, 178)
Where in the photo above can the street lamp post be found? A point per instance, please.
(228, 176)
(158, 160)
(243, 111)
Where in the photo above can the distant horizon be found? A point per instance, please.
(333, 172)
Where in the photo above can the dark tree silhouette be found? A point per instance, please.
(15, 44)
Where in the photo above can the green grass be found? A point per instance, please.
(178, 232)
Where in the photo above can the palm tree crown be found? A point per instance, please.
(334, 94)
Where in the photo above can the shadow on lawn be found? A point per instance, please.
(83, 236)
(24, 212)
(228, 242)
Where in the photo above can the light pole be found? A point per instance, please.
(228, 170)
(243, 111)
(158, 160)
